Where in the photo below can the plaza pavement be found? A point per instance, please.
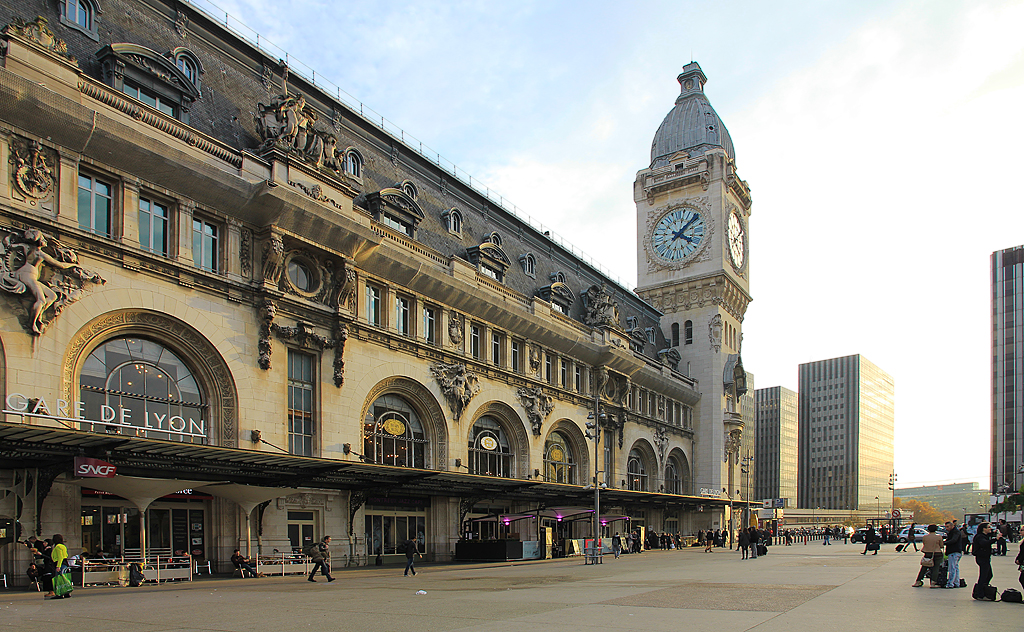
(801, 587)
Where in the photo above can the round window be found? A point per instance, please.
(299, 276)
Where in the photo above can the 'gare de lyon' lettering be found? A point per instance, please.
(19, 404)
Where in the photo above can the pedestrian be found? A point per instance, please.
(931, 546)
(827, 534)
(1019, 560)
(709, 542)
(321, 555)
(1003, 537)
(981, 547)
(911, 537)
(59, 555)
(954, 551)
(49, 570)
(617, 544)
(869, 541)
(412, 551)
(754, 541)
(744, 541)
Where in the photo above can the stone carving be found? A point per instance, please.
(33, 175)
(602, 310)
(273, 260)
(266, 76)
(267, 312)
(340, 336)
(661, 442)
(40, 34)
(245, 253)
(538, 406)
(288, 124)
(344, 284)
(455, 328)
(305, 335)
(705, 180)
(600, 380)
(394, 154)
(670, 357)
(715, 332)
(181, 23)
(733, 440)
(534, 352)
(458, 384)
(49, 275)
(444, 185)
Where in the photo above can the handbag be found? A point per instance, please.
(927, 561)
(62, 583)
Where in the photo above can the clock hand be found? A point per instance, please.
(679, 235)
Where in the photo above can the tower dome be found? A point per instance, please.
(692, 125)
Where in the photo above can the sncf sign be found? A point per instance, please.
(93, 468)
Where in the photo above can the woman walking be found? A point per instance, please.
(911, 537)
(61, 577)
(931, 545)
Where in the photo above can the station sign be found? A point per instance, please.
(93, 468)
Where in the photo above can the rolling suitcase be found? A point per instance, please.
(762, 549)
(900, 547)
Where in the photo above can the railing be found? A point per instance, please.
(282, 564)
(296, 67)
(154, 569)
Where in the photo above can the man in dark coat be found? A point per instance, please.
(981, 547)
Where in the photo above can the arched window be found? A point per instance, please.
(559, 464)
(353, 163)
(636, 474)
(393, 434)
(631, 323)
(188, 68)
(675, 334)
(81, 13)
(454, 217)
(145, 385)
(673, 482)
(490, 453)
(530, 265)
(409, 189)
(688, 332)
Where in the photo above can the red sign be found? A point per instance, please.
(93, 468)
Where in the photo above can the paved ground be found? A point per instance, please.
(802, 587)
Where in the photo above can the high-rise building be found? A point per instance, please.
(846, 434)
(1007, 367)
(774, 472)
(748, 446)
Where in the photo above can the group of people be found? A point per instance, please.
(631, 543)
(49, 559)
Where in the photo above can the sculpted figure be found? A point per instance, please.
(267, 313)
(538, 406)
(23, 269)
(601, 309)
(273, 260)
(458, 384)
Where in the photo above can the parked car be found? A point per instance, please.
(919, 532)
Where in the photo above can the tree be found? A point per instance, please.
(924, 513)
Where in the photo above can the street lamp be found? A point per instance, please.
(878, 510)
(594, 432)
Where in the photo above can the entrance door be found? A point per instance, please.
(301, 530)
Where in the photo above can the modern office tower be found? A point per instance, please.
(846, 434)
(774, 472)
(748, 446)
(1007, 367)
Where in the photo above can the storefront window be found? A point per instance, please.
(139, 386)
(393, 435)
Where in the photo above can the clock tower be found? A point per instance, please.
(693, 264)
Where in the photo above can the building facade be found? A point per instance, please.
(1007, 368)
(776, 452)
(846, 417)
(958, 498)
(277, 321)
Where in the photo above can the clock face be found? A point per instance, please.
(737, 240)
(678, 234)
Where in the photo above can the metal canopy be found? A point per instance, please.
(26, 446)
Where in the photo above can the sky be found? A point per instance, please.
(880, 141)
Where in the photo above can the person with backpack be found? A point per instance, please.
(320, 553)
(412, 551)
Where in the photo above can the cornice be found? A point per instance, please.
(713, 289)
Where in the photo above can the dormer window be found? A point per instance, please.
(80, 15)
(529, 263)
(353, 163)
(489, 258)
(558, 294)
(495, 239)
(410, 189)
(395, 209)
(167, 83)
(453, 218)
(631, 323)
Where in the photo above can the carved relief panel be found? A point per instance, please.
(34, 175)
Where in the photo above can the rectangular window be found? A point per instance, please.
(430, 325)
(564, 372)
(205, 245)
(549, 376)
(496, 340)
(300, 403)
(150, 99)
(402, 315)
(578, 378)
(561, 309)
(94, 205)
(494, 273)
(373, 305)
(153, 222)
(474, 340)
(517, 350)
(397, 224)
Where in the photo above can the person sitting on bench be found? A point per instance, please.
(243, 565)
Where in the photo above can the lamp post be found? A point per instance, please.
(594, 432)
(878, 510)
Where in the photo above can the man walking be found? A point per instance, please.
(617, 544)
(954, 551)
(321, 555)
(412, 551)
